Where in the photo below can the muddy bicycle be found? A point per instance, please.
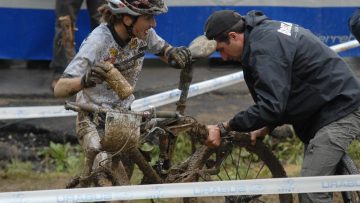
(122, 149)
(236, 156)
(235, 159)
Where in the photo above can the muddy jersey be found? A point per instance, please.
(101, 46)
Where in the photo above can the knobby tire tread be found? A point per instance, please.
(348, 167)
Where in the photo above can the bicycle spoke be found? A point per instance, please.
(238, 165)
(248, 169)
(232, 162)
(258, 173)
(218, 175)
(227, 174)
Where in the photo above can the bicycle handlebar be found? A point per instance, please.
(78, 107)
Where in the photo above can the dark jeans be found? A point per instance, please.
(325, 150)
(71, 8)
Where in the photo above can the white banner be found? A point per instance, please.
(198, 189)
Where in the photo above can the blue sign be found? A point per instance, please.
(28, 26)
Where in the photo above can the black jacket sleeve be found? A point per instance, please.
(270, 67)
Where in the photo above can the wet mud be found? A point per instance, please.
(23, 141)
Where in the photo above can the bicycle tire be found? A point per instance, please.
(104, 174)
(348, 167)
(203, 155)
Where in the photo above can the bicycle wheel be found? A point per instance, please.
(237, 159)
(348, 167)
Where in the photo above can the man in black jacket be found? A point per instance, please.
(295, 79)
(354, 24)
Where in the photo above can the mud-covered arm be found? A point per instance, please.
(72, 80)
(157, 45)
(67, 87)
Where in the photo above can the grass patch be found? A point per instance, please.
(20, 176)
(18, 169)
(62, 158)
(354, 152)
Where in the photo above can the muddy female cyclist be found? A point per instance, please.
(127, 32)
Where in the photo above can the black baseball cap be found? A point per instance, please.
(221, 21)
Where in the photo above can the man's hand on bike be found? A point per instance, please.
(258, 133)
(91, 78)
(214, 139)
(179, 57)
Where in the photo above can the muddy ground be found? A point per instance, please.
(21, 139)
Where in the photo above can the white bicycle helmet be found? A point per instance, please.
(137, 7)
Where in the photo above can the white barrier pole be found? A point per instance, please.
(198, 189)
(27, 112)
(195, 89)
(345, 46)
(8, 113)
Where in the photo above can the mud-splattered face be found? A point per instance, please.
(142, 26)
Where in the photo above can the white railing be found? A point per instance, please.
(198, 189)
